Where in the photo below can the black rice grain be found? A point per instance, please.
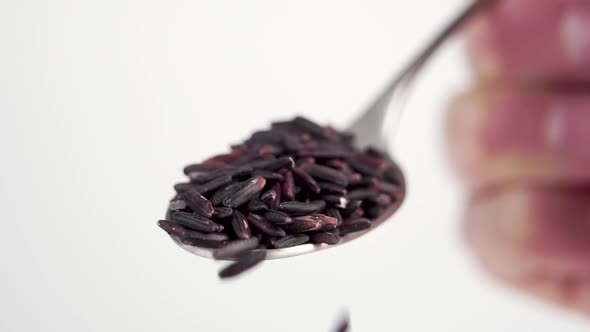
(256, 205)
(335, 200)
(327, 238)
(288, 187)
(354, 225)
(236, 247)
(277, 217)
(172, 228)
(302, 208)
(240, 225)
(251, 188)
(198, 203)
(268, 175)
(222, 212)
(195, 222)
(204, 167)
(225, 192)
(290, 241)
(305, 180)
(311, 223)
(310, 127)
(190, 234)
(265, 226)
(335, 213)
(327, 174)
(268, 196)
(245, 262)
(331, 188)
(273, 204)
(273, 164)
(215, 184)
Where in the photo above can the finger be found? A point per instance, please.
(501, 136)
(532, 40)
(535, 238)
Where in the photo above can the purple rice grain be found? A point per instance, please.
(310, 127)
(337, 164)
(335, 200)
(198, 203)
(301, 162)
(383, 200)
(226, 192)
(190, 234)
(354, 225)
(222, 212)
(268, 196)
(335, 213)
(325, 237)
(240, 225)
(302, 208)
(311, 223)
(359, 212)
(324, 153)
(268, 175)
(351, 206)
(273, 204)
(388, 188)
(256, 205)
(335, 231)
(373, 212)
(204, 167)
(290, 241)
(172, 228)
(331, 188)
(214, 184)
(291, 143)
(245, 262)
(362, 194)
(288, 187)
(277, 217)
(265, 226)
(184, 187)
(273, 164)
(305, 180)
(195, 222)
(234, 172)
(236, 247)
(244, 194)
(361, 167)
(343, 325)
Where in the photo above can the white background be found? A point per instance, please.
(103, 102)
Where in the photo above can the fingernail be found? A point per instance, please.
(575, 35)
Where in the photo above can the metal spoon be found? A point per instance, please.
(370, 129)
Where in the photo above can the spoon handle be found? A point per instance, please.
(370, 126)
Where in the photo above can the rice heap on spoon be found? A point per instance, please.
(296, 183)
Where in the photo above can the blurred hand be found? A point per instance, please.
(520, 140)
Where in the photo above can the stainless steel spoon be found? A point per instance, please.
(373, 128)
